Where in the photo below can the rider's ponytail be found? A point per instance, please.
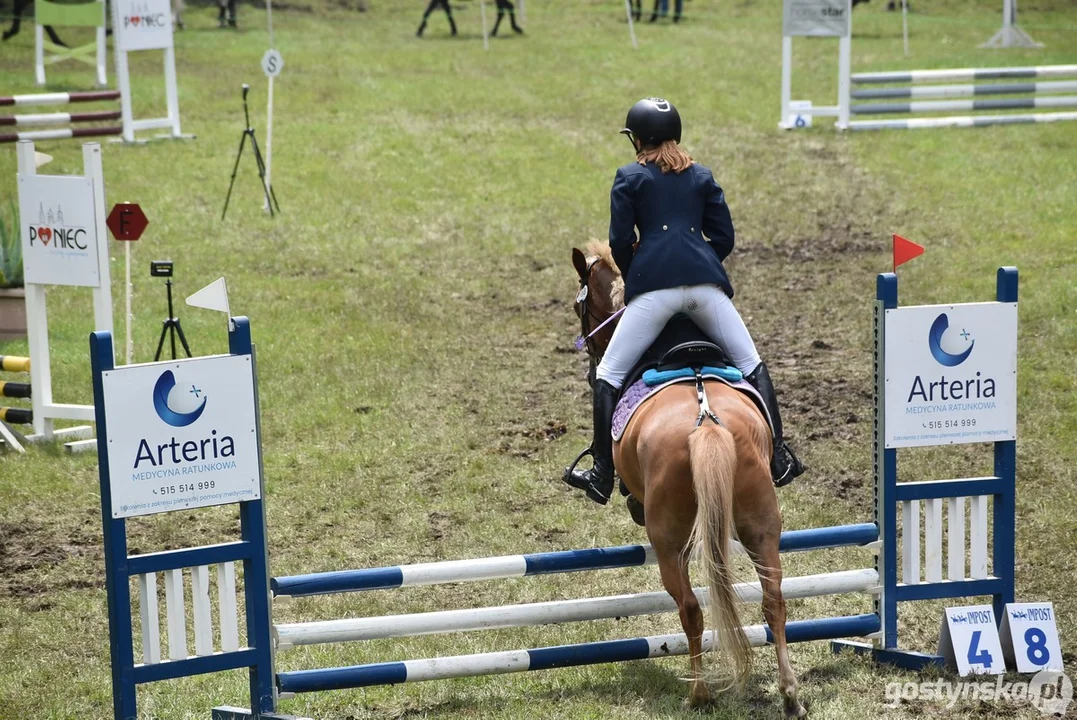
(667, 155)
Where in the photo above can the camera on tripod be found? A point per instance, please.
(170, 327)
(248, 132)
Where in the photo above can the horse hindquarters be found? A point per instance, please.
(714, 466)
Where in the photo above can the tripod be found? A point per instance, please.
(271, 197)
(172, 327)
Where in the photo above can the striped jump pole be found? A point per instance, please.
(961, 121)
(945, 91)
(510, 566)
(59, 118)
(594, 653)
(966, 74)
(964, 105)
(61, 134)
(62, 98)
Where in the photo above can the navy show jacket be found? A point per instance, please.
(685, 230)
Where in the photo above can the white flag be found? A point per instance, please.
(212, 297)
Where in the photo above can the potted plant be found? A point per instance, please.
(12, 293)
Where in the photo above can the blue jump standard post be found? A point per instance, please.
(120, 567)
(889, 494)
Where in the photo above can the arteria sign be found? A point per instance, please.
(181, 434)
(951, 374)
(59, 230)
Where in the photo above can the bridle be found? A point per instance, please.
(584, 312)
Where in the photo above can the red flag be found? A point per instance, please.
(905, 250)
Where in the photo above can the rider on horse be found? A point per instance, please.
(675, 266)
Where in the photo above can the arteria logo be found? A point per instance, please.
(139, 15)
(949, 349)
(178, 408)
(51, 231)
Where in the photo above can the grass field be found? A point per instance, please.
(412, 312)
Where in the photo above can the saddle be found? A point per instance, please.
(681, 344)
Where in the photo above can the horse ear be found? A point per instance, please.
(579, 261)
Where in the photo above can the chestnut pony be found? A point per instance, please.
(698, 485)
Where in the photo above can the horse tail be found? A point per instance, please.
(713, 456)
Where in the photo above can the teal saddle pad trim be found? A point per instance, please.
(654, 377)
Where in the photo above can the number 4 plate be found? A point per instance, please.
(1030, 637)
(969, 641)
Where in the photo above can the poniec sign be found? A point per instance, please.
(59, 230)
(181, 434)
(951, 374)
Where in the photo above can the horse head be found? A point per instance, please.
(600, 296)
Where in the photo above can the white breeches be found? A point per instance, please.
(647, 314)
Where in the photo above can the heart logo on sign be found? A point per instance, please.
(135, 20)
(44, 234)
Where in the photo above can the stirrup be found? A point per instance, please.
(588, 485)
(793, 469)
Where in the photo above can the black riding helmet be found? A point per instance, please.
(652, 121)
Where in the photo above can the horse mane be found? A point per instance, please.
(601, 252)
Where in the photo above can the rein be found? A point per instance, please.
(580, 341)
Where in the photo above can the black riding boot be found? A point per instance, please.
(784, 465)
(598, 481)
(493, 32)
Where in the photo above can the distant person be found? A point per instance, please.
(504, 6)
(227, 15)
(444, 5)
(661, 8)
(16, 14)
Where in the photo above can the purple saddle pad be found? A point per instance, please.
(639, 391)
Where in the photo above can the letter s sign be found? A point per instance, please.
(272, 63)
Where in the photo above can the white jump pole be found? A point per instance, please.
(555, 612)
(631, 25)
